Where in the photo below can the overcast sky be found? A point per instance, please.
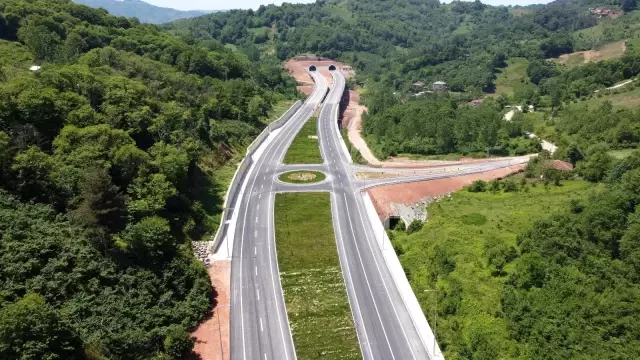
(245, 4)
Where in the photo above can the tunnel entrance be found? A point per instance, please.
(332, 67)
(312, 68)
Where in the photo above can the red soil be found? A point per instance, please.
(299, 69)
(212, 336)
(413, 192)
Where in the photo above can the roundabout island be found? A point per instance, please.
(302, 177)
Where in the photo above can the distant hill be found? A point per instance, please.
(145, 12)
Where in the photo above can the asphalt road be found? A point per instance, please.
(385, 329)
(259, 324)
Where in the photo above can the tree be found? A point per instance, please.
(178, 342)
(171, 161)
(629, 5)
(42, 42)
(539, 70)
(596, 167)
(29, 329)
(101, 204)
(33, 168)
(415, 226)
(149, 239)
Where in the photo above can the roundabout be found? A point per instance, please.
(302, 177)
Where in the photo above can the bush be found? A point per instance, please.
(510, 186)
(494, 186)
(178, 342)
(478, 186)
(415, 226)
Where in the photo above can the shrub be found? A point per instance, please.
(415, 226)
(510, 186)
(494, 186)
(478, 186)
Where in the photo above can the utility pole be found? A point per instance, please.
(435, 321)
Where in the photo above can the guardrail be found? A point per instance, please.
(241, 173)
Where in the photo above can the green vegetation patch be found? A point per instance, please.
(279, 109)
(314, 291)
(468, 245)
(512, 77)
(302, 177)
(305, 148)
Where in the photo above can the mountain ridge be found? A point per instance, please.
(145, 12)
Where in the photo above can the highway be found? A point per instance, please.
(259, 324)
(385, 329)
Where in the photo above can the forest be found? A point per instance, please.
(399, 42)
(438, 124)
(103, 178)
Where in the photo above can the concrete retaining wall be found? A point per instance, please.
(240, 174)
(402, 283)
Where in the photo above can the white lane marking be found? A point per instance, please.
(348, 275)
(384, 283)
(366, 278)
(256, 268)
(259, 196)
(261, 327)
(261, 186)
(258, 294)
(255, 233)
(265, 356)
(293, 126)
(256, 219)
(255, 250)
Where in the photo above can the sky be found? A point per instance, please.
(246, 4)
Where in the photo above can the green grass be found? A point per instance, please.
(314, 291)
(212, 184)
(279, 109)
(452, 248)
(305, 148)
(621, 154)
(15, 60)
(442, 157)
(290, 177)
(356, 155)
(341, 11)
(626, 98)
(512, 76)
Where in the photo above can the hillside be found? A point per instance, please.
(111, 153)
(400, 42)
(141, 10)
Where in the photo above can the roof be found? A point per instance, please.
(439, 83)
(562, 165)
(34, 68)
(477, 101)
(419, 83)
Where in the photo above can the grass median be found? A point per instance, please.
(314, 290)
(305, 148)
(302, 177)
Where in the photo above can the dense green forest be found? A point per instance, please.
(103, 182)
(401, 41)
(393, 44)
(439, 125)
